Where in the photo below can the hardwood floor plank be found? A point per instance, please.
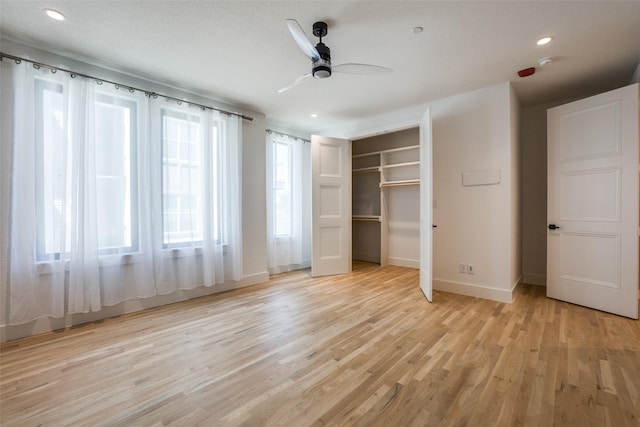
(363, 349)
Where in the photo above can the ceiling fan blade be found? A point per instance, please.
(295, 82)
(302, 40)
(352, 68)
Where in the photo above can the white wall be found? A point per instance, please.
(254, 245)
(474, 132)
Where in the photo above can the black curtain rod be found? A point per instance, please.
(286, 134)
(98, 80)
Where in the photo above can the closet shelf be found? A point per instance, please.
(400, 183)
(391, 150)
(375, 218)
(399, 165)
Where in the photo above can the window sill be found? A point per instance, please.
(49, 267)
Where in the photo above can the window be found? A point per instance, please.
(288, 204)
(116, 180)
(282, 194)
(104, 183)
(183, 179)
(60, 177)
(191, 170)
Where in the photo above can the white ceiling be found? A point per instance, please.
(240, 52)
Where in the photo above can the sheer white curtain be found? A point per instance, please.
(112, 195)
(197, 239)
(288, 166)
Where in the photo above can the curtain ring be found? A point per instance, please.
(53, 71)
(131, 90)
(99, 82)
(18, 61)
(36, 66)
(179, 102)
(155, 95)
(73, 75)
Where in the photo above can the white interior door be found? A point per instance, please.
(592, 242)
(426, 206)
(330, 206)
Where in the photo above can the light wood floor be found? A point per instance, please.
(362, 349)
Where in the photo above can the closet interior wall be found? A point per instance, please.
(386, 199)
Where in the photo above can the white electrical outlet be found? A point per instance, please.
(471, 269)
(463, 268)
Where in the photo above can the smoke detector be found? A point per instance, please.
(544, 61)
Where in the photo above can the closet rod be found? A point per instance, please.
(365, 218)
(73, 74)
(286, 134)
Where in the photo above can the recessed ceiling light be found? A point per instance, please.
(313, 115)
(544, 40)
(54, 14)
(417, 30)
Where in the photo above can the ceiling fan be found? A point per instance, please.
(320, 56)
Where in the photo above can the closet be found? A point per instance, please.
(386, 199)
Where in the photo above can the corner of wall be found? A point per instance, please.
(635, 78)
(516, 188)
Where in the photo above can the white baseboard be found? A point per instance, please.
(293, 267)
(485, 292)
(404, 262)
(13, 332)
(535, 279)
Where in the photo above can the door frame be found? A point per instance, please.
(407, 119)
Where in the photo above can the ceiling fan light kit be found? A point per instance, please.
(320, 55)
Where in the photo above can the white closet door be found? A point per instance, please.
(330, 206)
(426, 206)
(592, 209)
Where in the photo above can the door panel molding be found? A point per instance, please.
(579, 126)
(604, 181)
